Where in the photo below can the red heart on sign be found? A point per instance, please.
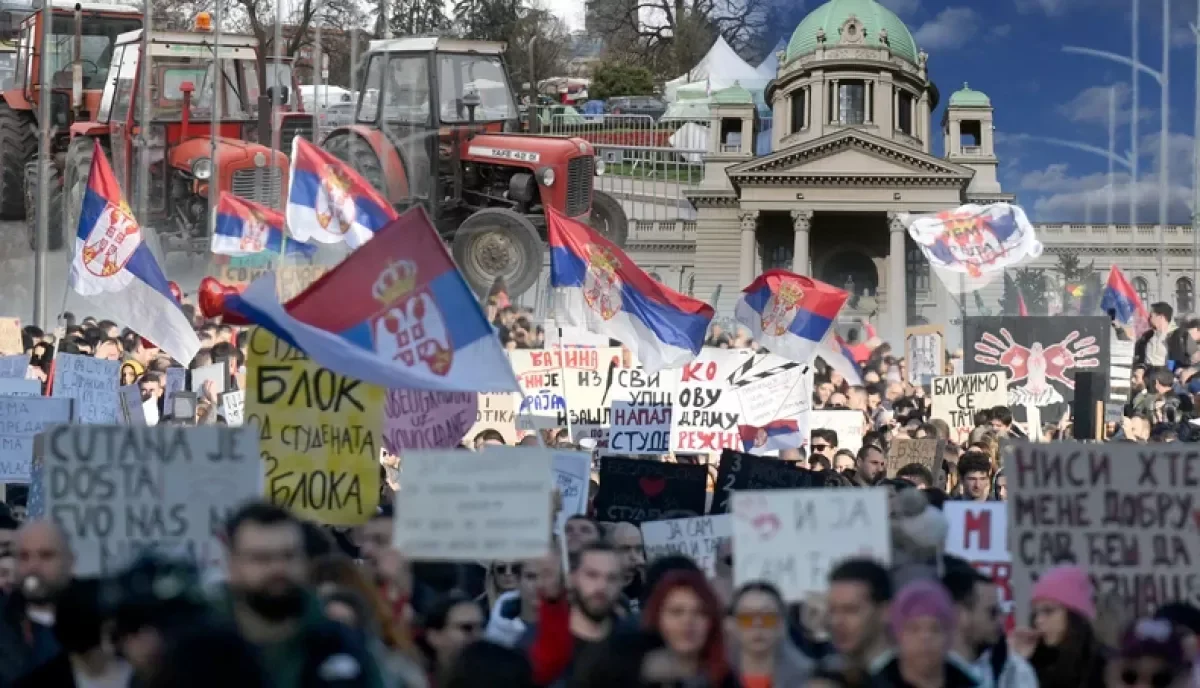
(766, 525)
(652, 487)
(212, 295)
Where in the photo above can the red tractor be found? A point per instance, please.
(183, 69)
(82, 37)
(436, 124)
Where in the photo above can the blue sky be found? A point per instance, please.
(1013, 51)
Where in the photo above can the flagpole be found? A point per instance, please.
(44, 159)
(214, 177)
(562, 372)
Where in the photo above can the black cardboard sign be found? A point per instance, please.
(741, 471)
(636, 490)
(1040, 355)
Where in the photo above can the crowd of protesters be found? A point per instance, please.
(304, 606)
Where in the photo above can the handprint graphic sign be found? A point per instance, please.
(1040, 355)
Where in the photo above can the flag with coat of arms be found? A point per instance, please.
(114, 269)
(398, 315)
(328, 202)
(789, 314)
(247, 228)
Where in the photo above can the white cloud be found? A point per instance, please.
(1052, 8)
(952, 28)
(1092, 105)
(1054, 194)
(901, 6)
(1001, 30)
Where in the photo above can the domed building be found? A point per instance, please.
(850, 148)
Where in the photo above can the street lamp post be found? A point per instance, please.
(1161, 78)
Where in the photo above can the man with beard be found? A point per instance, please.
(568, 628)
(44, 569)
(269, 604)
(978, 643)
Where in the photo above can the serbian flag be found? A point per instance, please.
(837, 355)
(1123, 301)
(246, 228)
(599, 288)
(789, 314)
(398, 315)
(781, 433)
(115, 270)
(328, 202)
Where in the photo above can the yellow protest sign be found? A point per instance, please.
(319, 433)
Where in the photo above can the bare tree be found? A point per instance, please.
(671, 35)
(258, 19)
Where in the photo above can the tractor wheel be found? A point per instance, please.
(608, 218)
(54, 228)
(78, 167)
(353, 150)
(497, 242)
(18, 144)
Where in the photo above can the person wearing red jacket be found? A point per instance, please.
(568, 627)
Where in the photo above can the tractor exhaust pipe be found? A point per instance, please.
(77, 67)
(185, 117)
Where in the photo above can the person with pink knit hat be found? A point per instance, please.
(922, 620)
(1062, 646)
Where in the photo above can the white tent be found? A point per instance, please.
(769, 67)
(720, 68)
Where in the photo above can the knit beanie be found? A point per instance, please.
(922, 598)
(1069, 586)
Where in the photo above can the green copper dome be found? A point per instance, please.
(733, 95)
(869, 13)
(968, 97)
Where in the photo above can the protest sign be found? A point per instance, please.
(706, 412)
(1120, 374)
(22, 418)
(742, 471)
(14, 367)
(217, 372)
(641, 411)
(12, 387)
(979, 534)
(540, 376)
(924, 353)
(849, 426)
(92, 383)
(957, 398)
(927, 452)
(233, 407)
(1039, 356)
(10, 336)
(697, 538)
(793, 538)
(132, 412)
(587, 396)
(120, 490)
(415, 419)
(496, 411)
(466, 506)
(572, 478)
(176, 382)
(318, 432)
(786, 393)
(634, 490)
(1125, 512)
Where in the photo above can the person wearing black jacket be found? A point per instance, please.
(84, 657)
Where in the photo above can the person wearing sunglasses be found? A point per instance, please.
(453, 622)
(1062, 645)
(1151, 656)
(760, 648)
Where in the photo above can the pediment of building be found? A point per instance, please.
(851, 156)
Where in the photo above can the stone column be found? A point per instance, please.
(897, 299)
(749, 220)
(801, 224)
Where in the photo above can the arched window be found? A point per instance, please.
(655, 276)
(1184, 296)
(1142, 287)
(691, 284)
